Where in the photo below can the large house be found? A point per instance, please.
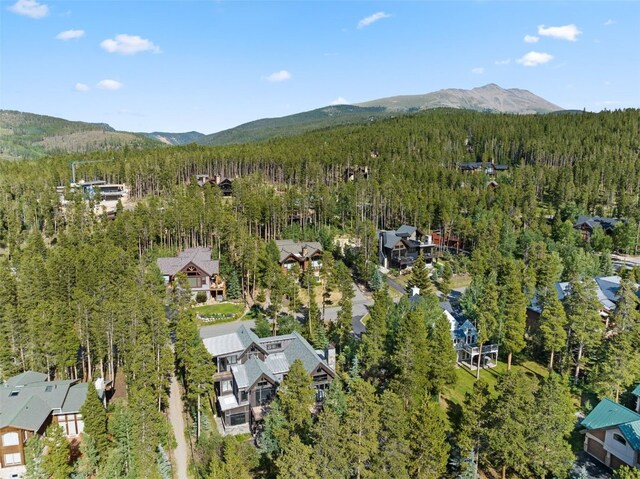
(400, 248)
(307, 255)
(612, 433)
(586, 225)
(29, 403)
(606, 290)
(489, 167)
(465, 340)
(250, 369)
(202, 272)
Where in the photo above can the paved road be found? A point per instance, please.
(180, 453)
(395, 285)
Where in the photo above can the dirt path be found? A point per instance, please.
(180, 456)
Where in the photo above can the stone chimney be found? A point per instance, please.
(304, 251)
(330, 354)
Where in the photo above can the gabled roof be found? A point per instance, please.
(607, 414)
(591, 222)
(606, 291)
(636, 391)
(26, 402)
(405, 230)
(390, 239)
(236, 342)
(199, 257)
(631, 431)
(300, 349)
(293, 248)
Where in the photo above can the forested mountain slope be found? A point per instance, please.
(27, 136)
(489, 98)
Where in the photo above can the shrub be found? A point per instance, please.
(201, 297)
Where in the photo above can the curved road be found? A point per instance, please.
(180, 457)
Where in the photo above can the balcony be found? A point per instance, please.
(486, 349)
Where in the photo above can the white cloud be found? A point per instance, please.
(109, 85)
(366, 21)
(70, 35)
(340, 101)
(531, 39)
(282, 75)
(565, 32)
(503, 62)
(609, 22)
(128, 45)
(533, 59)
(30, 8)
(477, 70)
(81, 87)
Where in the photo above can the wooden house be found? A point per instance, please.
(586, 225)
(202, 272)
(29, 403)
(400, 248)
(307, 255)
(250, 370)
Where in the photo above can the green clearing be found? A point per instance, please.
(219, 313)
(466, 378)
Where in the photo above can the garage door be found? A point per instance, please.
(596, 450)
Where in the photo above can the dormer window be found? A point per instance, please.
(620, 439)
(14, 393)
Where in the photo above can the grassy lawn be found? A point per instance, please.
(460, 280)
(466, 378)
(223, 309)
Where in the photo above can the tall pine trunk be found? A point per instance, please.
(479, 359)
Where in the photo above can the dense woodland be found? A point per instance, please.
(80, 295)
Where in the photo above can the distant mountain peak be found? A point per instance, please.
(490, 97)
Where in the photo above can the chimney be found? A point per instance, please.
(330, 354)
(415, 291)
(304, 251)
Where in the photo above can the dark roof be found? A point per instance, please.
(26, 401)
(592, 221)
(608, 414)
(293, 248)
(405, 230)
(476, 165)
(199, 257)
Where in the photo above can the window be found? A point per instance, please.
(235, 419)
(232, 359)
(264, 395)
(14, 393)
(272, 346)
(48, 389)
(318, 378)
(620, 439)
(10, 439)
(321, 391)
(243, 396)
(226, 386)
(14, 459)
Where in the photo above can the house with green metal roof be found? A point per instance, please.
(612, 434)
(29, 402)
(250, 369)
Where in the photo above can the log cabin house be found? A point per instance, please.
(307, 255)
(202, 272)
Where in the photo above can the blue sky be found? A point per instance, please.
(208, 65)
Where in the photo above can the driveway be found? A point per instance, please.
(180, 453)
(360, 305)
(587, 467)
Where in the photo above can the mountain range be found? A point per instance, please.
(27, 135)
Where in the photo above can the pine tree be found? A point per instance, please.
(553, 323)
(393, 460)
(419, 276)
(471, 434)
(296, 462)
(95, 421)
(508, 427)
(411, 357)
(235, 464)
(55, 462)
(549, 452)
(442, 357)
(487, 312)
(361, 425)
(329, 448)
(33, 454)
(296, 397)
(428, 440)
(617, 368)
(513, 305)
(585, 324)
(373, 345)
